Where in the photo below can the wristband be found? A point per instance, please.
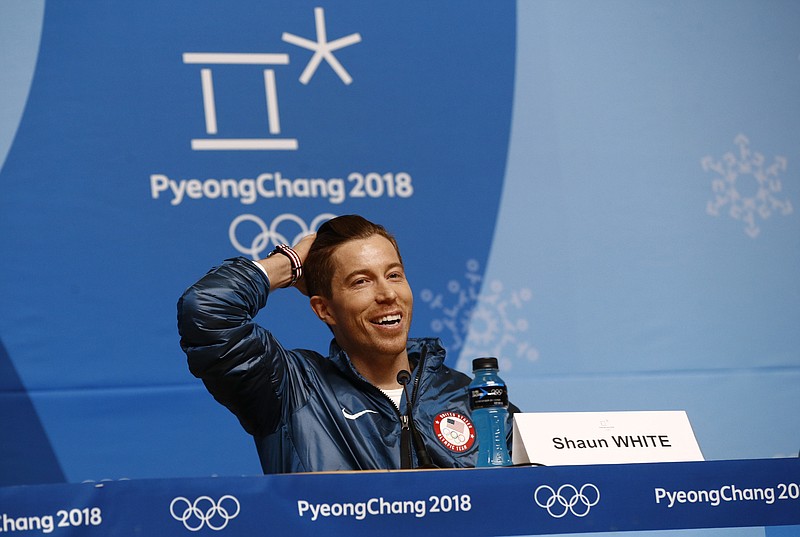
(297, 266)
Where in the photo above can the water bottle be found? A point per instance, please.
(488, 399)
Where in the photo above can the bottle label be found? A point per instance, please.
(488, 397)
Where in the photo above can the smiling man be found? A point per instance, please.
(345, 411)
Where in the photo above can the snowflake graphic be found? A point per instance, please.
(495, 330)
(747, 186)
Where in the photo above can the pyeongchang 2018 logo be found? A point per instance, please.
(567, 499)
(323, 51)
(252, 236)
(205, 512)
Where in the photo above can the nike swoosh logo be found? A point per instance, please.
(357, 414)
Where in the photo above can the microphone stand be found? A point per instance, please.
(403, 378)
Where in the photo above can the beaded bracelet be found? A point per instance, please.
(297, 266)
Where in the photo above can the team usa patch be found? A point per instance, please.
(454, 431)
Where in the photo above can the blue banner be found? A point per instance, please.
(602, 195)
(510, 501)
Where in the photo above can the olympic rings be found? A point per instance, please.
(567, 499)
(269, 234)
(204, 511)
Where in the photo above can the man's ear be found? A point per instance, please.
(320, 306)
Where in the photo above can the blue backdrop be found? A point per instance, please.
(601, 194)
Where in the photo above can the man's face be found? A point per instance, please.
(369, 309)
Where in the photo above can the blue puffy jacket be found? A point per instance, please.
(308, 412)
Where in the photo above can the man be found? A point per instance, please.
(347, 411)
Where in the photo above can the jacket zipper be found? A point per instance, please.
(405, 430)
(406, 442)
(406, 449)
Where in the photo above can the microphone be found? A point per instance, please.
(403, 378)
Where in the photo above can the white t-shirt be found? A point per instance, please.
(394, 395)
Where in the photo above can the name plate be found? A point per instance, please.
(573, 438)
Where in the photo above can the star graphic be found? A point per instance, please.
(323, 49)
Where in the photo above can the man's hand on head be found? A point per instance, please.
(302, 248)
(279, 267)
